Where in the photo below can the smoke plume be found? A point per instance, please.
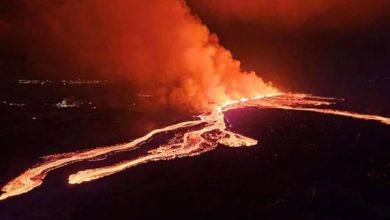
(156, 45)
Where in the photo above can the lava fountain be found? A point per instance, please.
(201, 135)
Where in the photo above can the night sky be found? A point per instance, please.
(306, 165)
(296, 45)
(336, 45)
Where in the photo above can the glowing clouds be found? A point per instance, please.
(157, 45)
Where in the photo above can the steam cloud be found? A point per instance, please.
(158, 45)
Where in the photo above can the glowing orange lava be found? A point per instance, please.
(201, 135)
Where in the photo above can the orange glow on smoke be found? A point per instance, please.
(201, 135)
(156, 46)
(163, 48)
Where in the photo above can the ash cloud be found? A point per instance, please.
(156, 45)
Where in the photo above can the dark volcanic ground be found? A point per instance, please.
(306, 165)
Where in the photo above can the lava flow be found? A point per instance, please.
(201, 135)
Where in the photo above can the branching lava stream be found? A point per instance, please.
(201, 135)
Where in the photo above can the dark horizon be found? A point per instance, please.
(130, 67)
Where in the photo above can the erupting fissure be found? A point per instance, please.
(201, 135)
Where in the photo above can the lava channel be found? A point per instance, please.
(201, 135)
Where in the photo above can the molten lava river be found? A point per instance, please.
(191, 138)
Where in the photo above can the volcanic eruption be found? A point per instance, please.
(158, 46)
